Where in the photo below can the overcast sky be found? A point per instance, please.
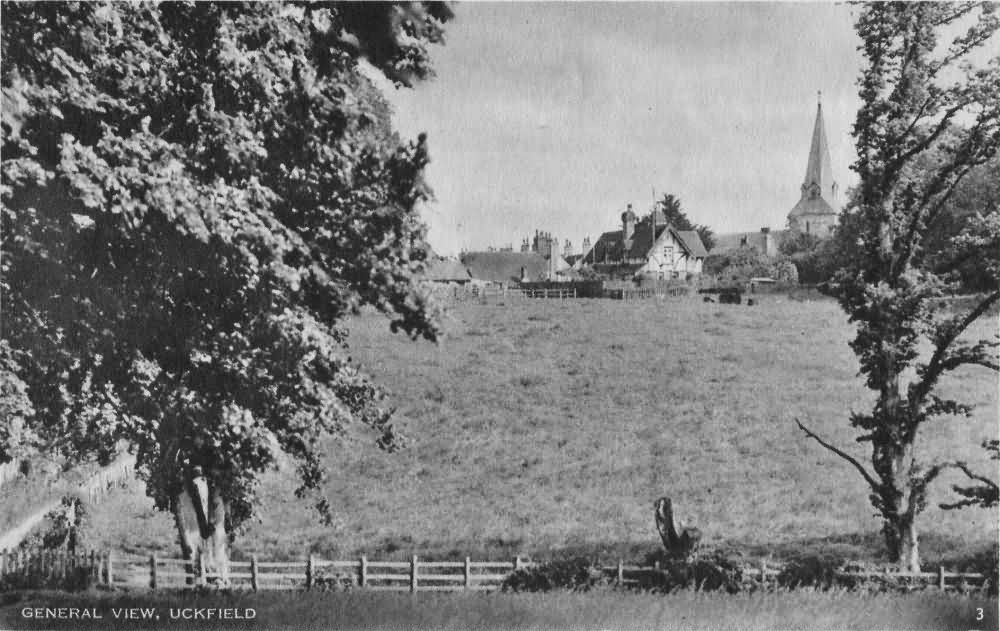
(554, 116)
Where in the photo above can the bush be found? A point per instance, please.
(739, 266)
(712, 573)
(576, 574)
(818, 571)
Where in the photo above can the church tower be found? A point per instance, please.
(817, 210)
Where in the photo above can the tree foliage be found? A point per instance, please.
(194, 196)
(929, 117)
(671, 208)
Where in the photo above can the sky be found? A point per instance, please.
(554, 116)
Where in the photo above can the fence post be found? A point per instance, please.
(111, 573)
(941, 577)
(468, 573)
(3, 562)
(517, 563)
(152, 571)
(363, 578)
(254, 584)
(201, 569)
(95, 568)
(621, 572)
(763, 572)
(413, 573)
(310, 571)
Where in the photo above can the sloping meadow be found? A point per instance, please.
(548, 428)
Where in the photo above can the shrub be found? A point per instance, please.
(577, 574)
(819, 571)
(706, 573)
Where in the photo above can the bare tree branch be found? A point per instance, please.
(857, 465)
(938, 364)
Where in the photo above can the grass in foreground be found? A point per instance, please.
(562, 610)
(551, 427)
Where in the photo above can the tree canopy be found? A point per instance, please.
(930, 117)
(194, 196)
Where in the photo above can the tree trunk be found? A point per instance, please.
(200, 516)
(900, 497)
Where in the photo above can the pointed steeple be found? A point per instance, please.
(817, 210)
(818, 170)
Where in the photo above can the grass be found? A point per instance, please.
(549, 428)
(560, 610)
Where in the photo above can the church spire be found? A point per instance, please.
(818, 170)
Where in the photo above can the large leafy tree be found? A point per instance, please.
(194, 195)
(930, 116)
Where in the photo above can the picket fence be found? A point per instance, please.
(156, 572)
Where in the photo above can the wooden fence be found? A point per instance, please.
(157, 572)
(116, 475)
(9, 471)
(502, 293)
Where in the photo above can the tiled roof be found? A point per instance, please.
(691, 240)
(445, 270)
(728, 241)
(610, 246)
(502, 267)
(812, 206)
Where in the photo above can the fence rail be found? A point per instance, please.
(41, 568)
(9, 471)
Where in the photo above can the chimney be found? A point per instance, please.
(567, 248)
(769, 248)
(628, 223)
(553, 258)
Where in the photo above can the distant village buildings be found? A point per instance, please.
(648, 246)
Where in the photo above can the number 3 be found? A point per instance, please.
(979, 613)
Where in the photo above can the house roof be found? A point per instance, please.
(445, 270)
(500, 267)
(611, 247)
(691, 241)
(728, 241)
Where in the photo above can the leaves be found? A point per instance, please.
(194, 196)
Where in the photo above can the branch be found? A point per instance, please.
(937, 364)
(857, 465)
(986, 495)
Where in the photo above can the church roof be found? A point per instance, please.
(818, 169)
(812, 206)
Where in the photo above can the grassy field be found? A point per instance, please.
(549, 428)
(562, 610)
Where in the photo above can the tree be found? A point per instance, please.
(977, 194)
(670, 206)
(194, 196)
(927, 119)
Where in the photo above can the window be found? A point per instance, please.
(668, 252)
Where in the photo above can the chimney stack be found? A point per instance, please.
(628, 223)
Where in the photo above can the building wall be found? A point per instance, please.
(820, 225)
(668, 257)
